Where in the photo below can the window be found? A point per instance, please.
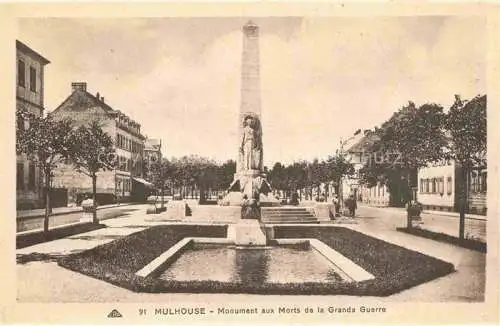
(441, 186)
(449, 186)
(421, 185)
(124, 164)
(21, 77)
(433, 189)
(427, 185)
(32, 79)
(483, 179)
(473, 185)
(31, 177)
(20, 176)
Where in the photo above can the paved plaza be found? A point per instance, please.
(40, 279)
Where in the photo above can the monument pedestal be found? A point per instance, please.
(247, 183)
(246, 233)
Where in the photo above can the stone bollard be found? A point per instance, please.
(88, 210)
(324, 211)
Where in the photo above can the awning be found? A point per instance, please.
(144, 182)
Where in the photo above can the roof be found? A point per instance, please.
(144, 182)
(80, 100)
(154, 144)
(364, 143)
(81, 95)
(26, 49)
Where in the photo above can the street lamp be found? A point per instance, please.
(341, 153)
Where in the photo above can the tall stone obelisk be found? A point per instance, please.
(250, 178)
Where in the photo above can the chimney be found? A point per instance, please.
(102, 99)
(80, 86)
(97, 95)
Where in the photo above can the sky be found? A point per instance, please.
(322, 78)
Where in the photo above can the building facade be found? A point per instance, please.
(359, 155)
(152, 153)
(126, 181)
(29, 98)
(440, 185)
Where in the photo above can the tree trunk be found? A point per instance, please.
(463, 201)
(202, 194)
(162, 195)
(47, 202)
(94, 192)
(409, 217)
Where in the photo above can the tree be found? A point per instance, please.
(466, 124)
(92, 151)
(160, 170)
(412, 138)
(276, 176)
(337, 167)
(225, 174)
(45, 142)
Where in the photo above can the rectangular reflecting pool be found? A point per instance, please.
(251, 265)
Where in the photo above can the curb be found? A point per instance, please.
(442, 213)
(73, 211)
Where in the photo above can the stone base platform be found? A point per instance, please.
(234, 198)
(246, 233)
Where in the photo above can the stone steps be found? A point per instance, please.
(287, 215)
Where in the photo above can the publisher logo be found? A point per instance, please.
(114, 314)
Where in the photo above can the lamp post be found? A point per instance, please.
(341, 190)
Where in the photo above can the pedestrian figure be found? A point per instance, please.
(255, 206)
(336, 204)
(245, 208)
(351, 205)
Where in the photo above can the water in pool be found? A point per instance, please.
(280, 264)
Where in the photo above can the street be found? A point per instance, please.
(72, 217)
(467, 284)
(388, 217)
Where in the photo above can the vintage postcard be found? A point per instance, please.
(286, 163)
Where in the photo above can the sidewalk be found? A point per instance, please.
(428, 212)
(32, 213)
(40, 279)
(439, 222)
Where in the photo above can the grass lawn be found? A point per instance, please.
(394, 267)
(464, 243)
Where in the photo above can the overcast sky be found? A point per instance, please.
(321, 78)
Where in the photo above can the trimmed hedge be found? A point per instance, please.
(443, 237)
(395, 268)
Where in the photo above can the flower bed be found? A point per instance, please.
(394, 267)
(442, 237)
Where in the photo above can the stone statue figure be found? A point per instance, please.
(251, 144)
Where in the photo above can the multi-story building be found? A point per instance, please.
(126, 181)
(359, 154)
(29, 97)
(440, 185)
(152, 153)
